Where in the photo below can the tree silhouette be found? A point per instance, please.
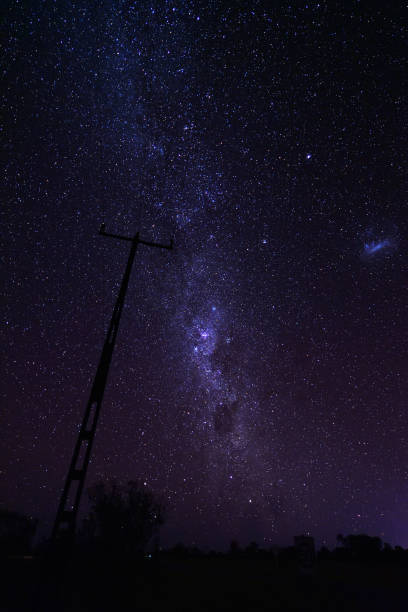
(16, 532)
(234, 548)
(361, 546)
(123, 518)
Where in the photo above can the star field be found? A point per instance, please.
(259, 380)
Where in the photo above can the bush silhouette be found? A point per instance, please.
(123, 518)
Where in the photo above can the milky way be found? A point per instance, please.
(259, 380)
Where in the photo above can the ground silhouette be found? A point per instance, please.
(115, 565)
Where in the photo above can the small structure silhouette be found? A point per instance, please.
(305, 553)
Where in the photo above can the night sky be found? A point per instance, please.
(259, 380)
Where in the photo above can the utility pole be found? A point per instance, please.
(65, 521)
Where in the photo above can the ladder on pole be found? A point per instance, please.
(65, 521)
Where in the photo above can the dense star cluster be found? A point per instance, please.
(259, 381)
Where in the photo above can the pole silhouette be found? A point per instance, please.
(65, 521)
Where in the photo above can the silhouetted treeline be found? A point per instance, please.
(124, 521)
(359, 548)
(364, 549)
(117, 560)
